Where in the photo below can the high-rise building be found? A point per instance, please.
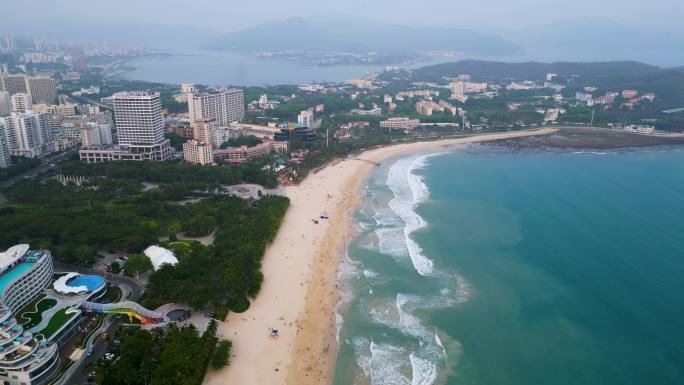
(225, 105)
(203, 131)
(140, 129)
(13, 83)
(187, 88)
(96, 134)
(4, 150)
(21, 102)
(5, 103)
(28, 134)
(42, 88)
(306, 118)
(138, 118)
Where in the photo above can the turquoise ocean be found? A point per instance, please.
(485, 266)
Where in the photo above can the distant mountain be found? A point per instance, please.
(298, 34)
(489, 70)
(667, 83)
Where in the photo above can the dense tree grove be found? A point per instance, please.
(221, 356)
(136, 264)
(226, 274)
(161, 357)
(167, 172)
(18, 165)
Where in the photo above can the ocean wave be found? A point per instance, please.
(426, 355)
(423, 372)
(409, 191)
(383, 363)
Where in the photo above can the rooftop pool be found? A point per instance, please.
(92, 282)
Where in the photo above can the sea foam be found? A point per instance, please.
(409, 191)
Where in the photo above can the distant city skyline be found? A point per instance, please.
(490, 15)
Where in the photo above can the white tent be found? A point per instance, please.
(159, 256)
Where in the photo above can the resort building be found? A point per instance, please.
(243, 153)
(24, 358)
(140, 129)
(400, 123)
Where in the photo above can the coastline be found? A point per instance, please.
(299, 294)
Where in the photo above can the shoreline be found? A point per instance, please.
(299, 295)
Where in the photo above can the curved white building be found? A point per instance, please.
(159, 256)
(24, 359)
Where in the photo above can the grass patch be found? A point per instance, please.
(30, 307)
(112, 295)
(58, 320)
(180, 247)
(32, 318)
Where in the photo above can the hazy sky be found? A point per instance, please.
(228, 15)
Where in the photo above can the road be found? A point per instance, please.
(47, 164)
(75, 375)
(129, 288)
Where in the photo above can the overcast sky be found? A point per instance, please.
(229, 15)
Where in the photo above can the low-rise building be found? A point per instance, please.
(360, 83)
(628, 94)
(377, 111)
(198, 153)
(400, 123)
(243, 153)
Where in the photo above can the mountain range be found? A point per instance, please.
(299, 34)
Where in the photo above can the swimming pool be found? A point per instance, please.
(91, 282)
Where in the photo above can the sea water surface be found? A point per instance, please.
(510, 268)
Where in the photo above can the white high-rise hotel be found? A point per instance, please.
(140, 129)
(225, 106)
(138, 118)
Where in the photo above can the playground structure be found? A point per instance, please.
(129, 308)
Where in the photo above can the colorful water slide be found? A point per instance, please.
(130, 308)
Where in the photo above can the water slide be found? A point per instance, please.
(130, 308)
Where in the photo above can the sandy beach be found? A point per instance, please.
(299, 295)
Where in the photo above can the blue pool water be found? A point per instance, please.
(92, 282)
(17, 271)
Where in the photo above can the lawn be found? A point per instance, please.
(58, 320)
(33, 314)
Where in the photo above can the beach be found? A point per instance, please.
(299, 294)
